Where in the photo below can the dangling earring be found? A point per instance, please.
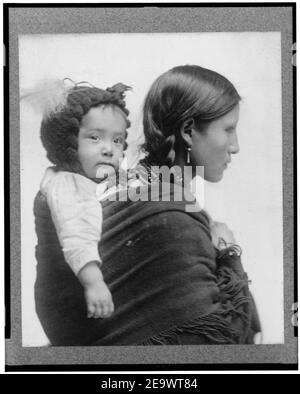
(188, 155)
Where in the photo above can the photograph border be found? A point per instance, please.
(149, 18)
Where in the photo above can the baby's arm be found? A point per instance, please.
(77, 216)
(97, 295)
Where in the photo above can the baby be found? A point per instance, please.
(84, 134)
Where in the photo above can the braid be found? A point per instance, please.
(160, 147)
(168, 150)
(59, 131)
(162, 151)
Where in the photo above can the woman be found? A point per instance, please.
(173, 276)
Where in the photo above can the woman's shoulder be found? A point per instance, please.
(178, 214)
(179, 217)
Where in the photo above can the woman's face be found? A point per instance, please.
(213, 147)
(101, 140)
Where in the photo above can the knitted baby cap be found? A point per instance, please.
(63, 110)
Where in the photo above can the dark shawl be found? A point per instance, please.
(168, 284)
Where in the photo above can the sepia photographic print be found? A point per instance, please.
(150, 158)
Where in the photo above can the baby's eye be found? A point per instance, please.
(119, 140)
(95, 137)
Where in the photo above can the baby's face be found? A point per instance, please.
(101, 141)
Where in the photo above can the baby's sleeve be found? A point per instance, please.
(77, 216)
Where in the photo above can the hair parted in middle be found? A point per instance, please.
(60, 129)
(181, 94)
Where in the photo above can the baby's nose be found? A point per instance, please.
(107, 148)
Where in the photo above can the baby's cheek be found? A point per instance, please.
(119, 154)
(118, 159)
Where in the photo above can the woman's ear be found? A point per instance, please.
(186, 131)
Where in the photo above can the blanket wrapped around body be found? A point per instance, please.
(168, 283)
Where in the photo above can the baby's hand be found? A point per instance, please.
(98, 300)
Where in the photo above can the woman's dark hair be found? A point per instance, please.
(183, 93)
(59, 131)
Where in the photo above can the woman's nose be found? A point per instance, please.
(234, 144)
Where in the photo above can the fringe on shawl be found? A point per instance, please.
(214, 327)
(217, 327)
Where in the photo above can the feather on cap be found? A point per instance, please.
(48, 96)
